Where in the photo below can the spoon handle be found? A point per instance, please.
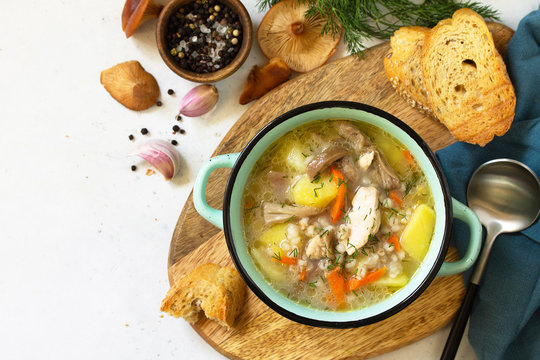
(456, 333)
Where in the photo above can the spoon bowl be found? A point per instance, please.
(505, 192)
(505, 195)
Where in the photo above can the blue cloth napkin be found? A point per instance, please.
(505, 318)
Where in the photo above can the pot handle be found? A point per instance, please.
(465, 214)
(214, 216)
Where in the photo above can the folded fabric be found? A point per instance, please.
(505, 318)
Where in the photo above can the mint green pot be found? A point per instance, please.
(230, 219)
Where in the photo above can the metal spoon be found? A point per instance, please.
(505, 194)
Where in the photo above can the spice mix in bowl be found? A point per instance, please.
(204, 40)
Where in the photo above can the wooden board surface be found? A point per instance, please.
(261, 333)
(196, 241)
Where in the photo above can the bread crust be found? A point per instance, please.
(403, 69)
(466, 79)
(218, 291)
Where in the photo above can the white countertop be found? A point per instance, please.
(84, 240)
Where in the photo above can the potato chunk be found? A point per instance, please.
(398, 282)
(417, 235)
(319, 192)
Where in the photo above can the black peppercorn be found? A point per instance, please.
(159, 103)
(133, 168)
(174, 142)
(170, 91)
(182, 131)
(144, 131)
(131, 137)
(176, 128)
(178, 117)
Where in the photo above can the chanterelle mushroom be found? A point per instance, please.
(130, 85)
(136, 12)
(286, 33)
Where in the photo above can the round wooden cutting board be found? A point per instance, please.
(260, 333)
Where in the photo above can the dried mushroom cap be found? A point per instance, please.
(130, 85)
(286, 33)
(136, 12)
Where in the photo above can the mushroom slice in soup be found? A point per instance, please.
(276, 213)
(387, 177)
(279, 183)
(351, 133)
(365, 217)
(325, 158)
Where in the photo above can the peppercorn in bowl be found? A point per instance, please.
(204, 40)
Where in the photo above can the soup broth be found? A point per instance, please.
(337, 215)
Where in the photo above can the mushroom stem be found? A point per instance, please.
(297, 28)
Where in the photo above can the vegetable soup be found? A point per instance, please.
(338, 215)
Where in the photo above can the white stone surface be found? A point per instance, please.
(83, 240)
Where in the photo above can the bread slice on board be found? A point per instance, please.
(218, 291)
(402, 66)
(468, 87)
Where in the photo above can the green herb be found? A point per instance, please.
(323, 233)
(313, 284)
(289, 219)
(355, 294)
(277, 256)
(304, 155)
(365, 19)
(294, 252)
(364, 252)
(319, 188)
(316, 179)
(253, 207)
(282, 204)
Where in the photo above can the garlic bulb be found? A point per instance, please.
(161, 155)
(199, 100)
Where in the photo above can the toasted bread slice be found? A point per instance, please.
(218, 291)
(402, 66)
(468, 87)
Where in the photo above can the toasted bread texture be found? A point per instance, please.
(218, 291)
(402, 66)
(466, 80)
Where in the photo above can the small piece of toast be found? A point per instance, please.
(218, 291)
(402, 66)
(468, 87)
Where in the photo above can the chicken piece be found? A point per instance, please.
(319, 246)
(349, 170)
(365, 160)
(365, 217)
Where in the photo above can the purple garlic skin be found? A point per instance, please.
(199, 100)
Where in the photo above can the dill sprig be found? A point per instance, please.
(366, 19)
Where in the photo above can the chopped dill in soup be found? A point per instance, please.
(337, 215)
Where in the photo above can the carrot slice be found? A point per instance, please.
(394, 195)
(302, 275)
(408, 157)
(354, 282)
(285, 260)
(337, 286)
(337, 210)
(395, 242)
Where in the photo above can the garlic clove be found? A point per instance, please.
(130, 85)
(161, 155)
(199, 100)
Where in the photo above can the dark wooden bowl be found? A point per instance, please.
(245, 47)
